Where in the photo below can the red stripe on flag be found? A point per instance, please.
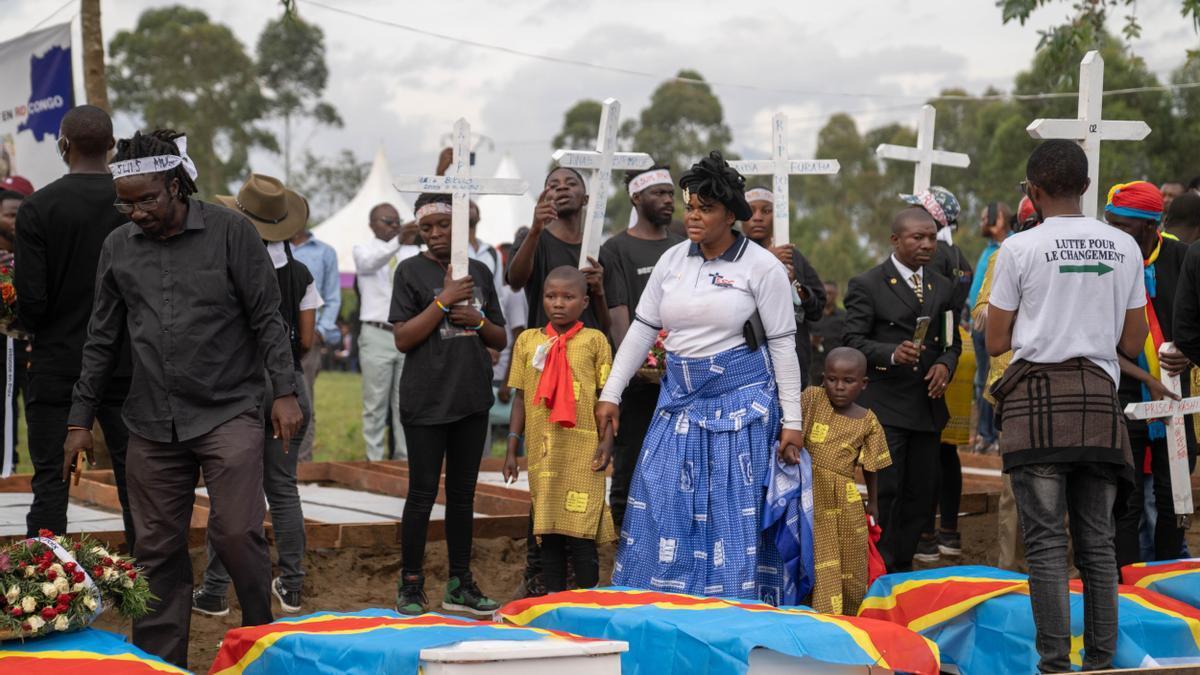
(1131, 574)
(32, 665)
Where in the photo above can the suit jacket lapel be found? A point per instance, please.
(901, 286)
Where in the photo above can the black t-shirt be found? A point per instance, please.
(628, 262)
(449, 375)
(551, 252)
(60, 231)
(294, 279)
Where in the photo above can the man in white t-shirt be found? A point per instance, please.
(1067, 297)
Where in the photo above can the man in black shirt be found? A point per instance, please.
(808, 293)
(195, 288)
(60, 230)
(628, 258)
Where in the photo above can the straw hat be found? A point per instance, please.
(277, 212)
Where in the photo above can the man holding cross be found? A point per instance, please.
(1135, 209)
(1067, 298)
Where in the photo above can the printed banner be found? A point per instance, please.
(86, 651)
(36, 90)
(1179, 579)
(687, 634)
(982, 622)
(357, 643)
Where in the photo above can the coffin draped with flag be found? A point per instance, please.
(982, 622)
(676, 633)
(1178, 579)
(355, 643)
(86, 651)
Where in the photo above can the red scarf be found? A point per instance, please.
(557, 386)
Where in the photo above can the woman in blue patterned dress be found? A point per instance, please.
(732, 381)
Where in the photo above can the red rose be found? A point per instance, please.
(16, 611)
(23, 564)
(108, 562)
(51, 575)
(45, 533)
(49, 613)
(132, 574)
(78, 577)
(70, 566)
(78, 546)
(126, 566)
(97, 571)
(26, 627)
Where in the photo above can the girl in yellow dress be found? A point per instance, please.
(839, 435)
(559, 369)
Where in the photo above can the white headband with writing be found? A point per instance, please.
(433, 208)
(760, 195)
(644, 180)
(155, 164)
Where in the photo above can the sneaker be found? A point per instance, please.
(927, 549)
(410, 596)
(289, 601)
(209, 605)
(462, 595)
(949, 543)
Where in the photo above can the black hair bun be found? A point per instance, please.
(713, 178)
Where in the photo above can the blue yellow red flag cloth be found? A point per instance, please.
(85, 651)
(675, 633)
(1179, 579)
(364, 642)
(982, 622)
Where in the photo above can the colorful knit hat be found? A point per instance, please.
(939, 202)
(1138, 199)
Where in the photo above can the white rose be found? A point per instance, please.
(49, 591)
(61, 622)
(110, 574)
(35, 623)
(99, 550)
(30, 571)
(127, 582)
(62, 584)
(12, 594)
(28, 604)
(89, 601)
(77, 587)
(58, 569)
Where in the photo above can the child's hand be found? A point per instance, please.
(789, 454)
(512, 470)
(603, 455)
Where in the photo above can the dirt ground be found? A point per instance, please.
(358, 578)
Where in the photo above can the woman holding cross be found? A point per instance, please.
(731, 380)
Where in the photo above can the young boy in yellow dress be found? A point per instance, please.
(559, 369)
(839, 435)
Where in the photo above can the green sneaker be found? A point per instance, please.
(410, 596)
(462, 595)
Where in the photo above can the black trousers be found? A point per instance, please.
(949, 489)
(47, 405)
(1168, 537)
(637, 410)
(457, 443)
(556, 548)
(907, 493)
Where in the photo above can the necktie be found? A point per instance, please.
(916, 286)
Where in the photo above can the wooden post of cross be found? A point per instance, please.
(459, 183)
(601, 162)
(781, 167)
(924, 155)
(1089, 127)
(1173, 413)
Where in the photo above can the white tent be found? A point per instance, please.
(501, 215)
(350, 225)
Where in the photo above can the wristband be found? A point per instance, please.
(479, 327)
(73, 427)
(519, 437)
(445, 309)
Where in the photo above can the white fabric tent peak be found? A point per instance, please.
(350, 225)
(500, 216)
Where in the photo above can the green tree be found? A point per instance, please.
(291, 67)
(1089, 18)
(178, 69)
(328, 183)
(580, 125)
(683, 122)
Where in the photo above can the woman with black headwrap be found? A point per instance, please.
(731, 379)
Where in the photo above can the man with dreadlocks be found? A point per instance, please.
(195, 287)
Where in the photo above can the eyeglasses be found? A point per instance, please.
(144, 206)
(1023, 186)
(389, 221)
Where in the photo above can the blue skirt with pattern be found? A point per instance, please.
(693, 520)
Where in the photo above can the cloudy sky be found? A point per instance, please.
(809, 59)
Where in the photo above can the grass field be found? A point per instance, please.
(339, 417)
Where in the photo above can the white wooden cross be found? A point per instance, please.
(1089, 127)
(924, 155)
(459, 183)
(1177, 452)
(781, 167)
(601, 162)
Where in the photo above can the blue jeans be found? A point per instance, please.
(987, 415)
(1086, 492)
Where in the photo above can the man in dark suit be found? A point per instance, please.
(908, 380)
